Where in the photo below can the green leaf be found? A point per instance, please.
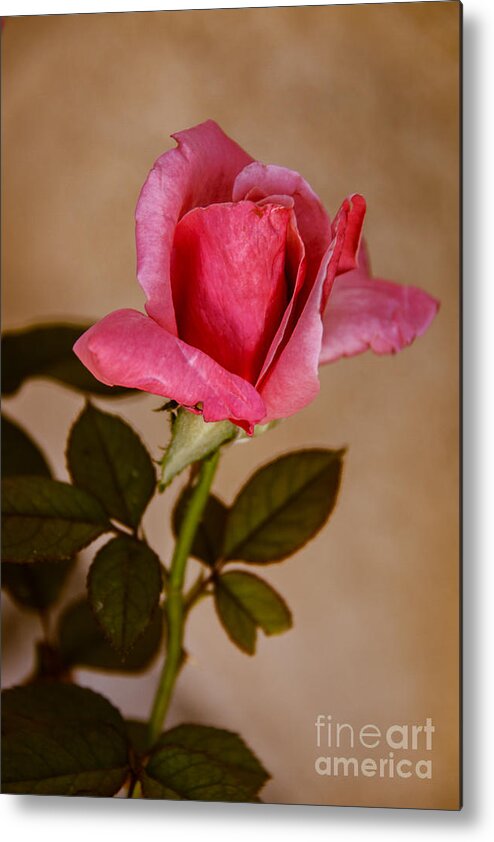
(195, 762)
(20, 455)
(32, 586)
(209, 536)
(124, 587)
(46, 520)
(60, 739)
(282, 506)
(35, 586)
(46, 351)
(107, 458)
(82, 643)
(192, 440)
(138, 734)
(245, 603)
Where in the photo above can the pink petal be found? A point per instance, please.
(229, 283)
(363, 259)
(364, 312)
(299, 290)
(353, 232)
(292, 380)
(201, 170)
(348, 221)
(127, 348)
(261, 180)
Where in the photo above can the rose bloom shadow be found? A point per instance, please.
(250, 287)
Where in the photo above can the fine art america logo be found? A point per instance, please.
(339, 742)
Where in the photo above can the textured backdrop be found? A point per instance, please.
(356, 98)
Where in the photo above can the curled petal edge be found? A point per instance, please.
(127, 348)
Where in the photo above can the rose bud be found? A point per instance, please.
(249, 288)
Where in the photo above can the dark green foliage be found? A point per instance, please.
(124, 586)
(106, 458)
(46, 351)
(195, 762)
(46, 520)
(35, 586)
(31, 586)
(282, 506)
(82, 643)
(20, 455)
(60, 739)
(245, 603)
(209, 536)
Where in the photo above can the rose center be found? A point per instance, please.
(231, 280)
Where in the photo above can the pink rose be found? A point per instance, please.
(249, 288)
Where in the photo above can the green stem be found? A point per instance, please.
(194, 593)
(132, 791)
(175, 605)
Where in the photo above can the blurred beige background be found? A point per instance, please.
(357, 98)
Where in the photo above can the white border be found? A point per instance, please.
(52, 7)
(56, 819)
